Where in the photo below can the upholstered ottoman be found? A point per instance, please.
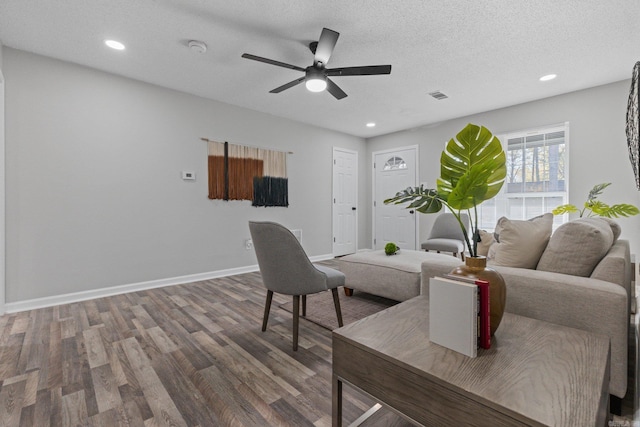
(395, 277)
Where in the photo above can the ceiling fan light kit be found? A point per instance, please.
(316, 76)
(315, 80)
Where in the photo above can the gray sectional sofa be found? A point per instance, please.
(597, 302)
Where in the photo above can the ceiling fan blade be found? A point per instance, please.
(327, 42)
(288, 85)
(334, 90)
(271, 61)
(369, 70)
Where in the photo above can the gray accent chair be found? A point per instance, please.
(446, 235)
(287, 270)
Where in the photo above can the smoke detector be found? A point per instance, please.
(197, 46)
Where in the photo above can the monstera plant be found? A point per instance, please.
(472, 170)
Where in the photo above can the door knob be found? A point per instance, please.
(353, 208)
(411, 211)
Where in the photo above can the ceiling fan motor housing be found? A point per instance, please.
(317, 73)
(315, 78)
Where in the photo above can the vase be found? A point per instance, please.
(476, 267)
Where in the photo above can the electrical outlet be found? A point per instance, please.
(248, 244)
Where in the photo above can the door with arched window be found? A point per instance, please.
(394, 170)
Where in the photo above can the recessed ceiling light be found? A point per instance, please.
(548, 77)
(114, 44)
(371, 124)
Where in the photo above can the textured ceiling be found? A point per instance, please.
(482, 54)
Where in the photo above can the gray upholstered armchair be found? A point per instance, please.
(286, 269)
(446, 235)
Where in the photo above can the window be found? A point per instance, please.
(537, 172)
(395, 163)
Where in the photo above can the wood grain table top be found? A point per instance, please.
(535, 372)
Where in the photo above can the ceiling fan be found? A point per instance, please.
(316, 76)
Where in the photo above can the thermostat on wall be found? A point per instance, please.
(188, 176)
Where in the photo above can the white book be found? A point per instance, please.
(453, 315)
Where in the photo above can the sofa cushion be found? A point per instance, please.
(615, 227)
(486, 240)
(520, 243)
(577, 247)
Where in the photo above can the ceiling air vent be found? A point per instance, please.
(438, 95)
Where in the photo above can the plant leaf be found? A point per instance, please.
(471, 187)
(563, 209)
(597, 190)
(617, 211)
(422, 199)
(430, 205)
(401, 196)
(472, 168)
(597, 207)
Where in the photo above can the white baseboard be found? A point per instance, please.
(32, 304)
(319, 258)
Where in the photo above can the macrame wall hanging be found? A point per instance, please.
(238, 172)
(633, 124)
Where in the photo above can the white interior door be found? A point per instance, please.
(394, 171)
(345, 201)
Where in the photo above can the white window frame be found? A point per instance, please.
(500, 202)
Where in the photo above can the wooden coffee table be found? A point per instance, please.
(535, 373)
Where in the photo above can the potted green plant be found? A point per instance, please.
(594, 207)
(472, 170)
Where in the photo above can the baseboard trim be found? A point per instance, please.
(319, 258)
(32, 304)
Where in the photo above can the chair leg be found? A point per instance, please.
(336, 303)
(304, 306)
(267, 307)
(462, 256)
(296, 320)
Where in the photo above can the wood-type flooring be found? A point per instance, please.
(186, 355)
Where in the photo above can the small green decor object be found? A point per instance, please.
(391, 248)
(593, 207)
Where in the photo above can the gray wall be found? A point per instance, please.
(2, 191)
(94, 193)
(597, 147)
(95, 199)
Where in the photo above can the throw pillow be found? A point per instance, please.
(615, 227)
(577, 247)
(520, 243)
(486, 240)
